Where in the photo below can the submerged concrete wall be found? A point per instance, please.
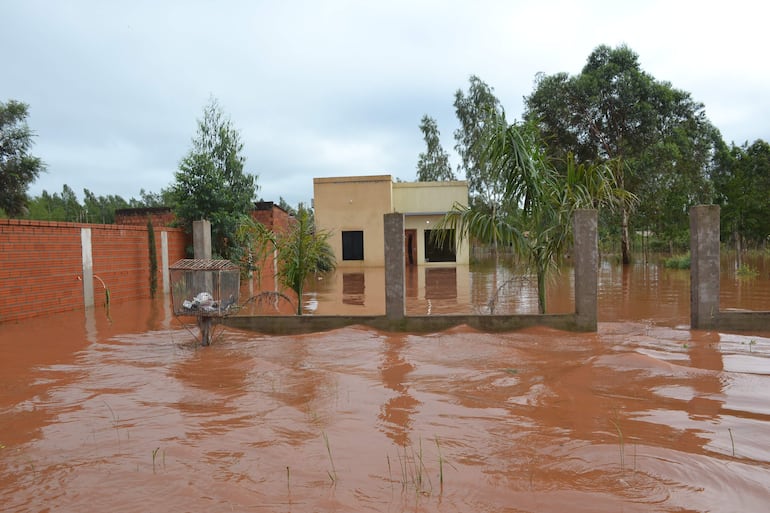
(704, 278)
(584, 318)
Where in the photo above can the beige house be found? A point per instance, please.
(352, 209)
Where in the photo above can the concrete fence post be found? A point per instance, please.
(586, 257)
(394, 266)
(202, 239)
(165, 273)
(704, 266)
(87, 259)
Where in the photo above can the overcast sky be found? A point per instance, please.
(335, 88)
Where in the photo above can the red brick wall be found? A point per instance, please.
(41, 263)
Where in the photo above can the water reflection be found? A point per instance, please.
(396, 414)
(353, 288)
(644, 291)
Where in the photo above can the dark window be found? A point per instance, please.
(440, 247)
(353, 245)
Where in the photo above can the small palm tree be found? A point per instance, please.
(301, 250)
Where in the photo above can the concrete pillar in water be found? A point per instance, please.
(704, 266)
(394, 266)
(586, 256)
(202, 239)
(202, 250)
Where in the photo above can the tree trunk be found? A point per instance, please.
(541, 289)
(625, 248)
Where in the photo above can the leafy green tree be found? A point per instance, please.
(742, 182)
(18, 168)
(476, 112)
(102, 209)
(657, 137)
(211, 182)
(149, 199)
(433, 164)
(57, 207)
(301, 251)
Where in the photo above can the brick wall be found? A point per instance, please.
(41, 264)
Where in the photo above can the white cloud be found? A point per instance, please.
(335, 87)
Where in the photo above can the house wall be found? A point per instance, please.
(421, 223)
(354, 203)
(433, 199)
(42, 264)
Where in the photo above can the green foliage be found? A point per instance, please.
(477, 112)
(286, 206)
(433, 164)
(65, 206)
(746, 271)
(211, 183)
(678, 262)
(742, 182)
(659, 138)
(301, 251)
(537, 221)
(149, 199)
(18, 168)
(153, 254)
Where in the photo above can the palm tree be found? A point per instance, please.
(301, 250)
(535, 219)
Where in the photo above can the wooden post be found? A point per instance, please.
(205, 323)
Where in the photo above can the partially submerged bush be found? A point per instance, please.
(678, 262)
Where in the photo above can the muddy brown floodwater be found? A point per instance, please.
(131, 414)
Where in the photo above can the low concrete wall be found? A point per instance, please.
(584, 318)
(743, 321)
(291, 325)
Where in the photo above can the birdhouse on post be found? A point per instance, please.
(205, 289)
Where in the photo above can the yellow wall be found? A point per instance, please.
(354, 203)
(359, 203)
(413, 197)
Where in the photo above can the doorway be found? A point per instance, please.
(410, 247)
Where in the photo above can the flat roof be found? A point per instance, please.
(354, 179)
